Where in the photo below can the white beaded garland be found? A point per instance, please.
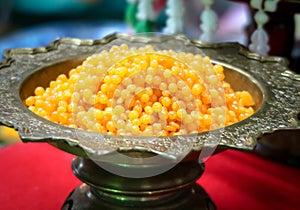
(259, 38)
(261, 17)
(256, 4)
(209, 21)
(174, 11)
(145, 10)
(271, 5)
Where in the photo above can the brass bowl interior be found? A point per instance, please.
(242, 81)
(43, 76)
(272, 85)
(237, 78)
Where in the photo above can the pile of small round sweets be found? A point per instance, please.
(140, 91)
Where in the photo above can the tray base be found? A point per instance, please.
(194, 198)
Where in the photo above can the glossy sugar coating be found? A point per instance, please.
(140, 91)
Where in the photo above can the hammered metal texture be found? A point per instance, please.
(279, 109)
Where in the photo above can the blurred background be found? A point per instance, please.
(31, 23)
(34, 23)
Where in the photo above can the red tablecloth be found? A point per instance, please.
(37, 176)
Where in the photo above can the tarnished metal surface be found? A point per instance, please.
(276, 91)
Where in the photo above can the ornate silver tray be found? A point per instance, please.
(275, 89)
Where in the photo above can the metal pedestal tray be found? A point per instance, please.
(106, 163)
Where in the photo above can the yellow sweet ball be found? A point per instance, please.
(140, 91)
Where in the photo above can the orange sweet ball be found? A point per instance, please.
(140, 91)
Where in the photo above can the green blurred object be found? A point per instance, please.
(130, 14)
(144, 26)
